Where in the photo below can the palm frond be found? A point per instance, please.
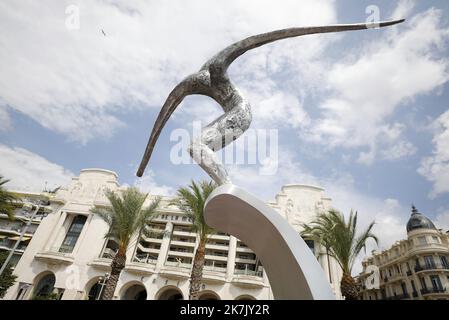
(338, 236)
(125, 216)
(7, 199)
(191, 201)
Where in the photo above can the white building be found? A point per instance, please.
(68, 255)
(416, 268)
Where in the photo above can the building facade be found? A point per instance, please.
(69, 258)
(15, 235)
(416, 268)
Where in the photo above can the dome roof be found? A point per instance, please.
(419, 221)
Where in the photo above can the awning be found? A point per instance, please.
(2, 236)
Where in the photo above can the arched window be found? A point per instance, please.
(135, 292)
(170, 293)
(45, 286)
(94, 292)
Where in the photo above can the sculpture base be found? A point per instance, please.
(291, 267)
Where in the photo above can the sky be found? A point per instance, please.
(363, 114)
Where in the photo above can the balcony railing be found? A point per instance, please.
(108, 253)
(248, 272)
(214, 269)
(399, 297)
(178, 264)
(144, 258)
(433, 290)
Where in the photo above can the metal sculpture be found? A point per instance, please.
(213, 81)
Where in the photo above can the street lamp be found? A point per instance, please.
(102, 284)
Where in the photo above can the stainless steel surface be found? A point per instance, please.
(291, 267)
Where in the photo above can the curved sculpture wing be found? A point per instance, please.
(293, 270)
(232, 52)
(217, 83)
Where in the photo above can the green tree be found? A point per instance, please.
(339, 238)
(191, 201)
(7, 279)
(7, 199)
(126, 217)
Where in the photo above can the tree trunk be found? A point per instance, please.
(197, 271)
(348, 287)
(117, 265)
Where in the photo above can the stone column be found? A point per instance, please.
(55, 232)
(164, 246)
(231, 258)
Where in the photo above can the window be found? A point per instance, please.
(423, 283)
(45, 286)
(404, 288)
(429, 262)
(417, 265)
(72, 235)
(436, 283)
(311, 245)
(413, 286)
(422, 240)
(398, 269)
(444, 262)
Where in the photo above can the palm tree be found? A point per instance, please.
(125, 217)
(6, 199)
(191, 201)
(339, 238)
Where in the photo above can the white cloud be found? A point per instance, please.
(390, 216)
(148, 184)
(5, 120)
(29, 171)
(79, 82)
(442, 221)
(403, 9)
(436, 167)
(368, 90)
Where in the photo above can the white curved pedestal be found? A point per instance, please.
(291, 267)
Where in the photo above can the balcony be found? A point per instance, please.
(179, 253)
(54, 256)
(426, 291)
(176, 270)
(403, 296)
(101, 263)
(217, 247)
(184, 233)
(104, 261)
(429, 268)
(214, 274)
(219, 237)
(248, 278)
(140, 268)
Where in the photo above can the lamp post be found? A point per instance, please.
(102, 284)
